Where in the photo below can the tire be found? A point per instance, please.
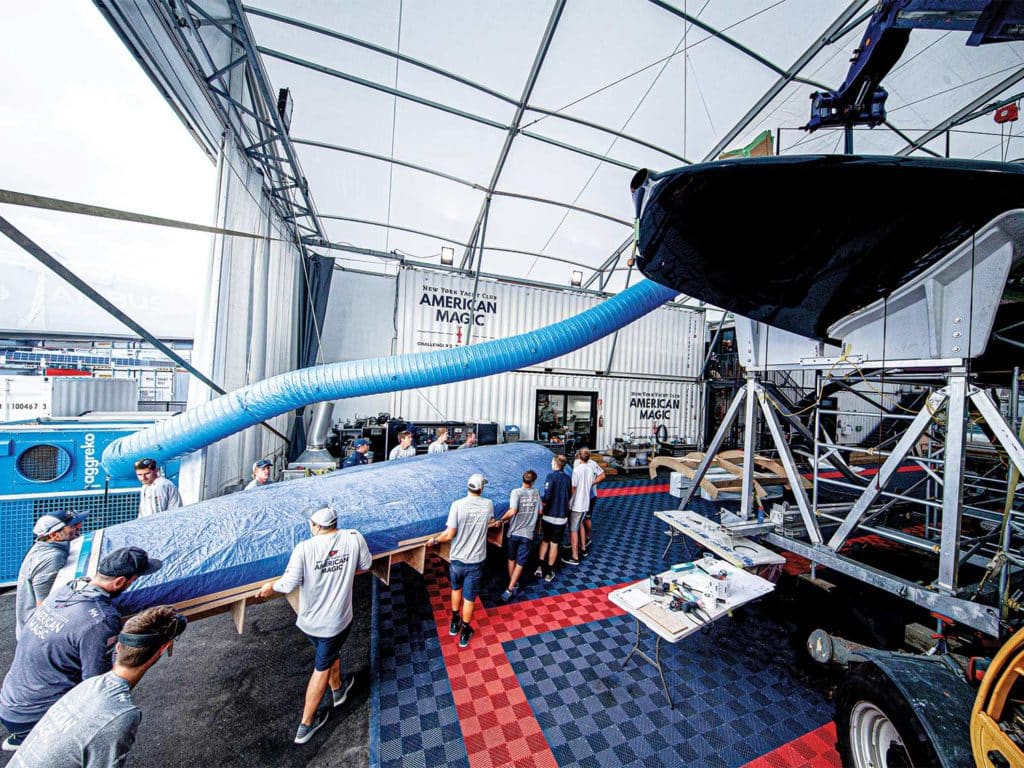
(875, 725)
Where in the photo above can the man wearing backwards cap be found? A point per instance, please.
(68, 639)
(47, 556)
(323, 567)
(94, 725)
(468, 520)
(260, 474)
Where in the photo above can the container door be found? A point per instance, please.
(566, 418)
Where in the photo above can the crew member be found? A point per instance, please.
(323, 567)
(68, 639)
(47, 556)
(468, 521)
(158, 493)
(470, 440)
(94, 724)
(586, 539)
(582, 481)
(405, 449)
(523, 508)
(556, 495)
(358, 456)
(260, 474)
(440, 443)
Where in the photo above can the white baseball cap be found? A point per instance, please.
(324, 517)
(48, 524)
(476, 482)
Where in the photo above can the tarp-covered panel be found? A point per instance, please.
(247, 537)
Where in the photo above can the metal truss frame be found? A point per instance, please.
(945, 595)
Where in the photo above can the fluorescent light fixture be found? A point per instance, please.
(576, 279)
(447, 255)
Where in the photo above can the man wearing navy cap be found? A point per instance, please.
(358, 456)
(260, 474)
(68, 639)
(96, 722)
(47, 556)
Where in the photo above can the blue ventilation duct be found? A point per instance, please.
(245, 407)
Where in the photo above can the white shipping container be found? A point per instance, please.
(625, 406)
(438, 311)
(25, 397)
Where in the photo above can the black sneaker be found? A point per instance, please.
(549, 577)
(455, 626)
(539, 572)
(570, 560)
(465, 636)
(338, 696)
(12, 742)
(305, 732)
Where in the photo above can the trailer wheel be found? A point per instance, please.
(876, 727)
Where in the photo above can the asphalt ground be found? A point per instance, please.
(224, 699)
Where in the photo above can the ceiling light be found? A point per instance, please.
(447, 255)
(577, 278)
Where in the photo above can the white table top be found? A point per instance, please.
(740, 551)
(653, 611)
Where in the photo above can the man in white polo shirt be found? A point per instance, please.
(324, 568)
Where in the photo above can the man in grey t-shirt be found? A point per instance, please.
(43, 561)
(468, 521)
(323, 568)
(94, 724)
(523, 511)
(68, 639)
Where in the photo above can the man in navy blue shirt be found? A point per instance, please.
(358, 456)
(555, 496)
(68, 639)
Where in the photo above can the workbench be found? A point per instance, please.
(652, 611)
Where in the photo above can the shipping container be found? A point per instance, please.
(616, 407)
(439, 310)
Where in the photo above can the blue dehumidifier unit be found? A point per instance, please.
(51, 465)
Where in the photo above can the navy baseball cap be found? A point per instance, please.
(360, 442)
(128, 561)
(262, 463)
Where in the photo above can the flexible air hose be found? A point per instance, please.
(247, 406)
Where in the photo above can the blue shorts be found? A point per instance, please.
(518, 548)
(328, 649)
(467, 577)
(16, 728)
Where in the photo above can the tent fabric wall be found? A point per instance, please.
(246, 330)
(360, 324)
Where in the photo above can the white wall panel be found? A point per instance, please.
(359, 323)
(627, 405)
(433, 313)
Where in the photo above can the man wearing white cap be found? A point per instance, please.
(324, 568)
(47, 556)
(260, 474)
(468, 521)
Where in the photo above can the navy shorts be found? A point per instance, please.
(328, 649)
(15, 727)
(467, 577)
(518, 548)
(553, 533)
